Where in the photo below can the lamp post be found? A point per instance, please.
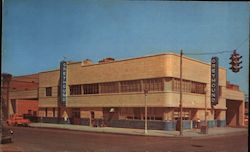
(146, 112)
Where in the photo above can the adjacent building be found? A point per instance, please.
(23, 95)
(112, 93)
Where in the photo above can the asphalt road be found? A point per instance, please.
(52, 140)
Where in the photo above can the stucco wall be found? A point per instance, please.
(163, 65)
(131, 69)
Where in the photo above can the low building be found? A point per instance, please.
(23, 95)
(112, 92)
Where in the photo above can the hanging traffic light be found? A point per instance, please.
(235, 62)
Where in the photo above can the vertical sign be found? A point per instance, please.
(214, 80)
(63, 80)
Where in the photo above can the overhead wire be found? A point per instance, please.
(217, 52)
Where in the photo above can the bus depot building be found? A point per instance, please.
(111, 93)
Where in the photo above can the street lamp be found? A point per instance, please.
(146, 112)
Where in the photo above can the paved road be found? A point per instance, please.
(52, 140)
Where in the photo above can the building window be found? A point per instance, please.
(153, 84)
(75, 89)
(186, 86)
(198, 88)
(185, 114)
(189, 86)
(137, 113)
(91, 88)
(111, 87)
(126, 113)
(49, 91)
(176, 85)
(131, 86)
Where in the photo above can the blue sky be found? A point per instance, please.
(38, 34)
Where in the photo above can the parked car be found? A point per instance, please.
(17, 120)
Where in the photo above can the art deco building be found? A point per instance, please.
(112, 91)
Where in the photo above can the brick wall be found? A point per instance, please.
(22, 106)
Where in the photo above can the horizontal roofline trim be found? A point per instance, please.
(49, 71)
(134, 58)
(26, 75)
(146, 56)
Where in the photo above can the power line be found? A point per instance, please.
(242, 43)
(209, 53)
(218, 52)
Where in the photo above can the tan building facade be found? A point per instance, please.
(112, 92)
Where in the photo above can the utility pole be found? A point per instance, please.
(206, 109)
(181, 130)
(5, 100)
(146, 112)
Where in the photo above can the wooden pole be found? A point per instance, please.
(181, 129)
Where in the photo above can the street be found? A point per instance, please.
(51, 140)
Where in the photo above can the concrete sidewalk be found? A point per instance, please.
(193, 133)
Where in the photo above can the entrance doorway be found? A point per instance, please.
(76, 116)
(233, 113)
(92, 118)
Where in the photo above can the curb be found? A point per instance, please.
(220, 135)
(117, 133)
(148, 135)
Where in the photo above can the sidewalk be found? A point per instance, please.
(192, 133)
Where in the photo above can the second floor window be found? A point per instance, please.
(48, 91)
(75, 89)
(131, 86)
(91, 88)
(198, 88)
(111, 87)
(189, 86)
(154, 84)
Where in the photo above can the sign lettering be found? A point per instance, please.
(214, 80)
(63, 82)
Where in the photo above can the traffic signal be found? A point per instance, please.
(235, 62)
